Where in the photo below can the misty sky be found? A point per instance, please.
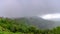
(20, 8)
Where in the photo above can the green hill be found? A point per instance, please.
(13, 26)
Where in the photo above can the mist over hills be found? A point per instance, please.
(56, 22)
(36, 21)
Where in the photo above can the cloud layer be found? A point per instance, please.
(20, 8)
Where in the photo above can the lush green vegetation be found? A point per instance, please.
(10, 26)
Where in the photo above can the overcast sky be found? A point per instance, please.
(19, 8)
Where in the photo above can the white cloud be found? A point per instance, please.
(50, 16)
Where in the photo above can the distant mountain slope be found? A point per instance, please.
(36, 21)
(56, 21)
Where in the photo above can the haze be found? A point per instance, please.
(21, 8)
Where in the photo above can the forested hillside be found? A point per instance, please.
(11, 26)
(36, 21)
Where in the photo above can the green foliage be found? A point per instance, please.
(11, 26)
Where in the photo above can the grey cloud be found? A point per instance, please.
(20, 8)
